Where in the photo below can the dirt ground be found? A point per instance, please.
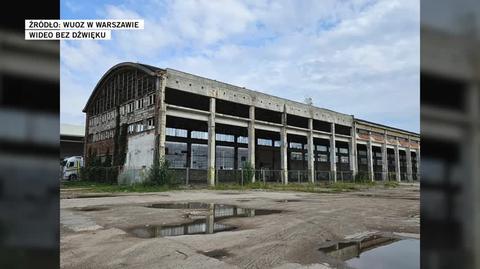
(94, 230)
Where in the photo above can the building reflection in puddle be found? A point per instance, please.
(214, 213)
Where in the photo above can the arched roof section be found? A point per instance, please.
(148, 69)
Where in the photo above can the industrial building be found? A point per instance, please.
(208, 130)
(71, 140)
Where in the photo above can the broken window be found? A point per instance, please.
(294, 145)
(242, 156)
(296, 156)
(242, 139)
(176, 154)
(151, 100)
(323, 158)
(264, 142)
(199, 135)
(176, 132)
(139, 103)
(130, 107)
(225, 137)
(150, 123)
(322, 148)
(199, 156)
(139, 127)
(224, 157)
(131, 128)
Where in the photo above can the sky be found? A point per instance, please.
(358, 57)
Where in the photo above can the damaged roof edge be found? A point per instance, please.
(153, 70)
(258, 92)
(149, 69)
(378, 125)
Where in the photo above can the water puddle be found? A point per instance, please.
(91, 208)
(288, 201)
(218, 254)
(79, 196)
(211, 216)
(377, 252)
(180, 205)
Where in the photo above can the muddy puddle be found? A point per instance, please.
(218, 254)
(91, 208)
(288, 201)
(208, 223)
(377, 252)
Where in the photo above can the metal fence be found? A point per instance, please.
(189, 176)
(389, 176)
(298, 176)
(268, 176)
(99, 174)
(347, 176)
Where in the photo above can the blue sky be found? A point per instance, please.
(356, 57)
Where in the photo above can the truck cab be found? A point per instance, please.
(71, 167)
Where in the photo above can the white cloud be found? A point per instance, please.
(357, 57)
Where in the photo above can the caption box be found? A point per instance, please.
(77, 29)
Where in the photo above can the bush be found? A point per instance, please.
(248, 172)
(99, 174)
(159, 173)
(391, 184)
(362, 177)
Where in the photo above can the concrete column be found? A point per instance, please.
(311, 153)
(397, 162)
(211, 144)
(370, 157)
(251, 139)
(384, 158)
(235, 153)
(284, 147)
(408, 152)
(161, 115)
(333, 153)
(353, 151)
(189, 149)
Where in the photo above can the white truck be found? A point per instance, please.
(71, 167)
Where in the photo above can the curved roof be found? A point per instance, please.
(151, 70)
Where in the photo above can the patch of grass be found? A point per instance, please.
(391, 184)
(248, 186)
(305, 187)
(300, 187)
(105, 187)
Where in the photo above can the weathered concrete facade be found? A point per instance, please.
(205, 125)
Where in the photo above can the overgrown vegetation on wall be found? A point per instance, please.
(98, 171)
(108, 170)
(120, 142)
